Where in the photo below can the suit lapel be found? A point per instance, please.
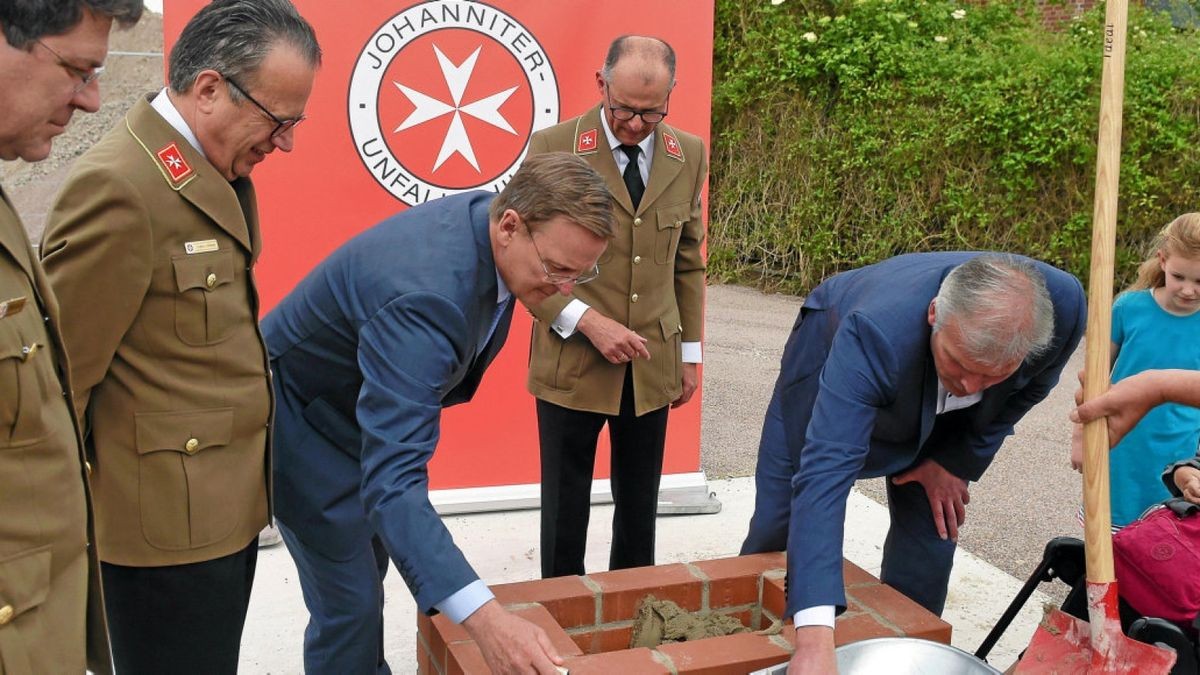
(929, 393)
(12, 238)
(664, 168)
(200, 185)
(601, 158)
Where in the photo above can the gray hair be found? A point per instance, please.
(558, 184)
(641, 46)
(233, 37)
(1002, 307)
(24, 21)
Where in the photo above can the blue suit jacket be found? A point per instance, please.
(366, 352)
(859, 391)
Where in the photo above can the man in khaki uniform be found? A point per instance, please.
(51, 614)
(150, 248)
(621, 349)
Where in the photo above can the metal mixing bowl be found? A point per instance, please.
(900, 656)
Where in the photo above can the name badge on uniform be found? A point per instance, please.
(206, 246)
(12, 306)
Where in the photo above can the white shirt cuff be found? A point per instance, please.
(568, 318)
(463, 603)
(821, 615)
(691, 352)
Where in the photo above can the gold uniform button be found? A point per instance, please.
(637, 221)
(211, 280)
(191, 445)
(6, 614)
(637, 260)
(88, 467)
(633, 298)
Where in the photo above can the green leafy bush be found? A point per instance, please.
(845, 132)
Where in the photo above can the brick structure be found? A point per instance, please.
(589, 618)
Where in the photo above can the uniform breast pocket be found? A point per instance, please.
(25, 372)
(183, 492)
(207, 308)
(670, 226)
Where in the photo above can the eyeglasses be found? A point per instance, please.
(281, 126)
(85, 75)
(626, 114)
(555, 277)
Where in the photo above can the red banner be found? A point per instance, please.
(413, 103)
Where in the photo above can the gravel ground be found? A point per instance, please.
(1027, 497)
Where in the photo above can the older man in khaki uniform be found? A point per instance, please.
(150, 247)
(622, 348)
(51, 615)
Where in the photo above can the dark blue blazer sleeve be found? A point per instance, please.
(408, 353)
(858, 378)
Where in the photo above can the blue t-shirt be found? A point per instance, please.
(1148, 337)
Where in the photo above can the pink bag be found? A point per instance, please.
(1157, 561)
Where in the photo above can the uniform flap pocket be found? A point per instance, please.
(24, 581)
(205, 271)
(189, 431)
(11, 345)
(674, 216)
(670, 326)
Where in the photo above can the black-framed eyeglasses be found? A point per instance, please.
(625, 114)
(555, 277)
(85, 75)
(281, 126)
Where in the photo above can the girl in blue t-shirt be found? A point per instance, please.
(1155, 325)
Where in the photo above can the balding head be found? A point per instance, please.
(642, 56)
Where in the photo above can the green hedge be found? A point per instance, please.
(847, 132)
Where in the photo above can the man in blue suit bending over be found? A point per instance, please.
(395, 325)
(916, 368)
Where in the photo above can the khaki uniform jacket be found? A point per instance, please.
(651, 276)
(50, 598)
(151, 260)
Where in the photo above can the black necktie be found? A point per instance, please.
(633, 175)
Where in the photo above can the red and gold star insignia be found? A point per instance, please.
(672, 145)
(172, 160)
(587, 141)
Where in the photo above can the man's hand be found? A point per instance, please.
(814, 652)
(617, 343)
(947, 493)
(1077, 447)
(691, 382)
(1187, 479)
(511, 644)
(1124, 404)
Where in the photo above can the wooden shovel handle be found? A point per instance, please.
(1098, 516)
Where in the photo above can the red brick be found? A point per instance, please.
(853, 575)
(639, 661)
(603, 639)
(734, 581)
(912, 619)
(773, 598)
(856, 627)
(464, 658)
(448, 630)
(729, 655)
(568, 599)
(424, 665)
(623, 589)
(538, 615)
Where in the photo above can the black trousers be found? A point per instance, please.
(179, 619)
(568, 447)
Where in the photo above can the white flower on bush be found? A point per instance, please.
(959, 14)
(776, 2)
(810, 36)
(940, 38)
